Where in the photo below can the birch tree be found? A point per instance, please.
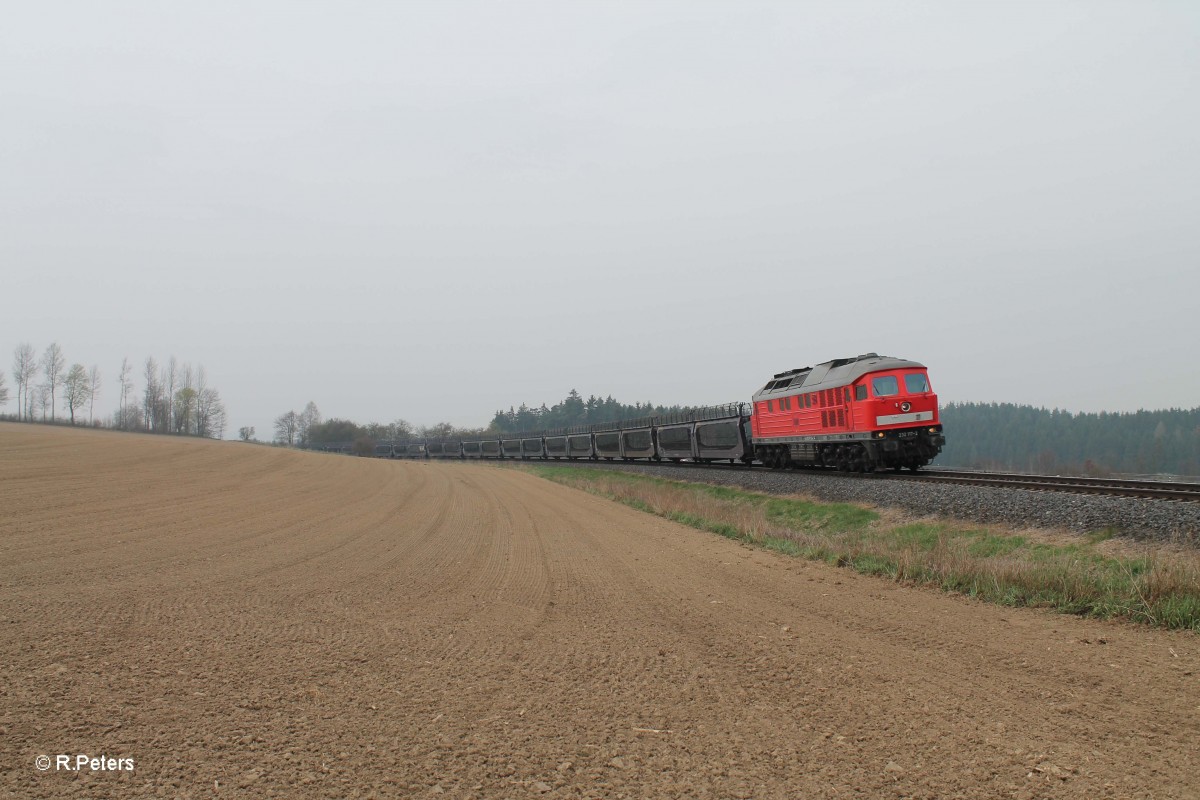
(309, 417)
(170, 376)
(93, 390)
(24, 368)
(53, 363)
(150, 401)
(126, 386)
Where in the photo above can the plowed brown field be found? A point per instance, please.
(245, 621)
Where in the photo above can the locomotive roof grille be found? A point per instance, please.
(838, 372)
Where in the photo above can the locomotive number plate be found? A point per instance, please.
(905, 434)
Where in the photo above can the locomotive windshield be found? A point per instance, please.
(916, 383)
(885, 385)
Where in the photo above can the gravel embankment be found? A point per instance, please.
(1166, 520)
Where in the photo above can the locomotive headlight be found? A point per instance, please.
(905, 406)
(933, 430)
(880, 435)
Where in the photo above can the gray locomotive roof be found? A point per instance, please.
(839, 372)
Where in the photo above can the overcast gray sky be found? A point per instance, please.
(433, 210)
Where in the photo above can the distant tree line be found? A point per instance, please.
(308, 429)
(572, 410)
(177, 398)
(1024, 438)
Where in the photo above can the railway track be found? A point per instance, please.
(1149, 490)
(1146, 490)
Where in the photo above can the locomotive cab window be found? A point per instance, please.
(885, 386)
(916, 383)
(860, 392)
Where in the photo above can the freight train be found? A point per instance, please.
(852, 414)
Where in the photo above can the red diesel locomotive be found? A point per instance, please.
(855, 414)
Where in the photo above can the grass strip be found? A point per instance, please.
(1161, 589)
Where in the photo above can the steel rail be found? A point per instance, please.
(1156, 490)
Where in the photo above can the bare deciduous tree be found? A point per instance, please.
(41, 400)
(24, 368)
(150, 400)
(442, 430)
(75, 389)
(246, 433)
(93, 390)
(169, 377)
(309, 417)
(3, 391)
(210, 413)
(131, 418)
(285, 428)
(184, 402)
(126, 385)
(53, 363)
